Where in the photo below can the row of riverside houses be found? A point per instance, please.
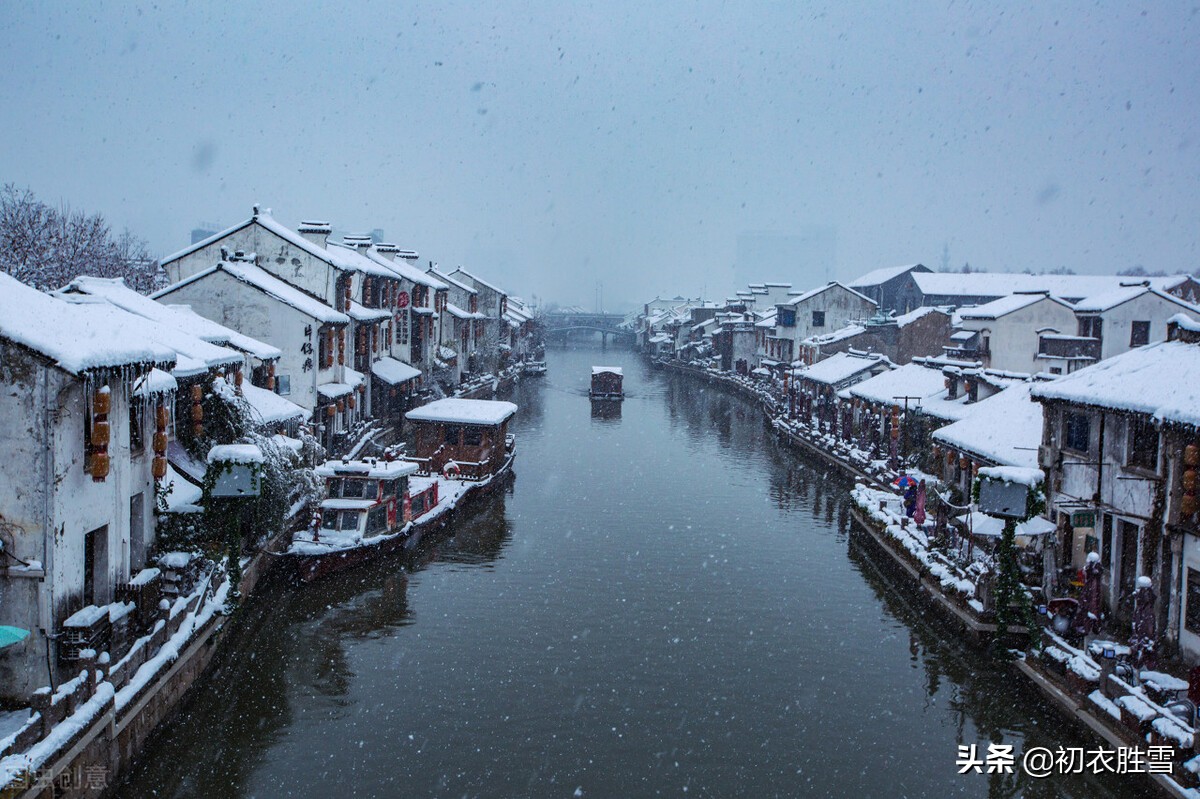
(1088, 378)
(117, 402)
(352, 318)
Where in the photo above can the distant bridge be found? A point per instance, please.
(562, 325)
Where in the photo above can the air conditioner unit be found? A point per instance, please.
(1045, 456)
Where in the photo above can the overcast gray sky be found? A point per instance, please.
(554, 145)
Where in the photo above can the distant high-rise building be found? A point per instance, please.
(204, 230)
(804, 259)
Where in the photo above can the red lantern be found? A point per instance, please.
(158, 467)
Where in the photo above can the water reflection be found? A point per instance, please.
(606, 410)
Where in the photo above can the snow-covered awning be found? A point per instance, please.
(155, 382)
(394, 372)
(268, 407)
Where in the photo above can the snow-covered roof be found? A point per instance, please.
(913, 380)
(361, 313)
(807, 295)
(908, 318)
(877, 276)
(1157, 380)
(268, 407)
(455, 311)
(333, 390)
(239, 341)
(841, 334)
(463, 411)
(267, 283)
(156, 381)
(1001, 284)
(407, 271)
(1005, 428)
(235, 453)
(393, 372)
(841, 366)
(268, 222)
(1107, 300)
(373, 468)
(179, 316)
(442, 276)
(77, 337)
(193, 355)
(477, 281)
(1008, 304)
(349, 259)
(613, 370)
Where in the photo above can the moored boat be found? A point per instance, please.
(376, 505)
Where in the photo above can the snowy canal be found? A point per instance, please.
(666, 602)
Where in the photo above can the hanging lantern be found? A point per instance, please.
(270, 382)
(949, 457)
(330, 410)
(162, 417)
(963, 463)
(1187, 507)
(158, 467)
(350, 401)
(237, 378)
(341, 334)
(341, 405)
(937, 452)
(392, 391)
(99, 464)
(100, 432)
(197, 393)
(197, 412)
(198, 430)
(1191, 455)
(1189, 481)
(975, 467)
(160, 443)
(101, 400)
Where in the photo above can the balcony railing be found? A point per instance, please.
(1069, 347)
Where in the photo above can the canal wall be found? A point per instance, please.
(1075, 685)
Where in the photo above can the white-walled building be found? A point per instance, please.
(1003, 334)
(820, 310)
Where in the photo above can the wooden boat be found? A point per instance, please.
(375, 506)
(607, 383)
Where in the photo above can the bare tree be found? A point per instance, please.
(47, 247)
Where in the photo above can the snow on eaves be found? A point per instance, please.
(180, 317)
(78, 338)
(841, 366)
(406, 271)
(807, 295)
(1005, 428)
(1010, 303)
(478, 281)
(877, 276)
(1157, 380)
(267, 407)
(1110, 299)
(259, 278)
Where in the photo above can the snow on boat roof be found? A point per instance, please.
(267, 283)
(463, 411)
(1150, 380)
(1006, 430)
(599, 370)
(77, 337)
(235, 453)
(269, 406)
(840, 366)
(373, 468)
(393, 372)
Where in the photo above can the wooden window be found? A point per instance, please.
(1077, 432)
(1141, 444)
(1191, 620)
(1139, 334)
(818, 319)
(137, 412)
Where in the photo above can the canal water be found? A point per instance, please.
(666, 602)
